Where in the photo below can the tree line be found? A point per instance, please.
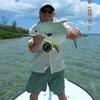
(11, 31)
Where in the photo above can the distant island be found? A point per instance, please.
(12, 31)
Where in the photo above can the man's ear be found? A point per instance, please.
(54, 13)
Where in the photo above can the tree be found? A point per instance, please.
(14, 26)
(4, 20)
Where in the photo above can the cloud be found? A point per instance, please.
(96, 11)
(74, 10)
(65, 8)
(12, 5)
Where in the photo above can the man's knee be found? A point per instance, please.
(62, 96)
(34, 96)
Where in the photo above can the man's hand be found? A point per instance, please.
(34, 46)
(38, 39)
(73, 33)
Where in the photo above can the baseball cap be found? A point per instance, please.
(47, 6)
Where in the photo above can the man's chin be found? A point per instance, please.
(46, 20)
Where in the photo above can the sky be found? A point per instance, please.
(25, 12)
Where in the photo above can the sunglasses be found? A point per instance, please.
(47, 11)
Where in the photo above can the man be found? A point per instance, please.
(48, 68)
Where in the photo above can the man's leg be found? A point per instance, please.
(34, 96)
(62, 96)
(36, 83)
(57, 85)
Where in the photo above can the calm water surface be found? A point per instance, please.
(82, 65)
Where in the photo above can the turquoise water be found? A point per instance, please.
(82, 65)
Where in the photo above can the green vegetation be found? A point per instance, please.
(12, 31)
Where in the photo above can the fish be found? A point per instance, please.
(53, 31)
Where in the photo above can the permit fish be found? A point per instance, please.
(53, 32)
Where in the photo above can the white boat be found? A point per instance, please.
(73, 92)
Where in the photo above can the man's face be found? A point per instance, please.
(46, 15)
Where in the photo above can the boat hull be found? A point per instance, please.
(73, 92)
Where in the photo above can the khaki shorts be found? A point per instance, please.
(38, 82)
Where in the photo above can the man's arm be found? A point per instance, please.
(35, 42)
